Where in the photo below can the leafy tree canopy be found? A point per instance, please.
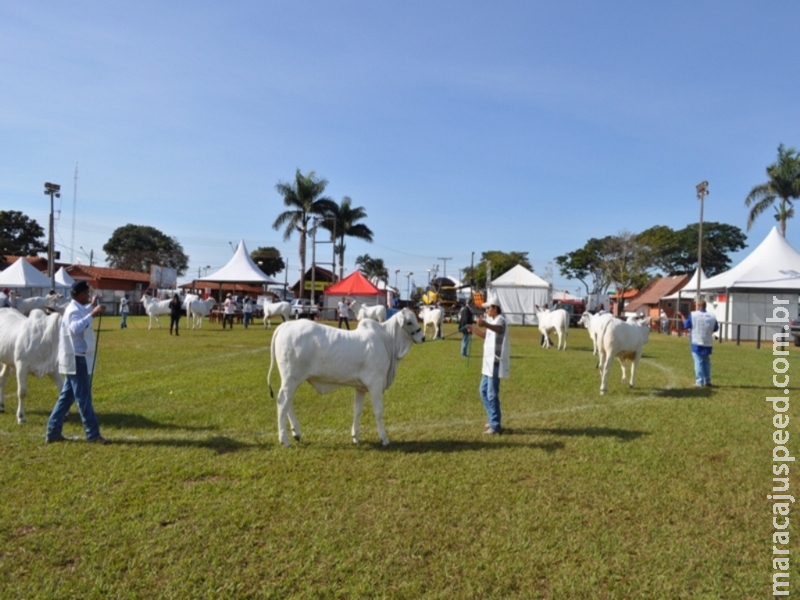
(268, 259)
(372, 267)
(20, 235)
(138, 247)
(500, 263)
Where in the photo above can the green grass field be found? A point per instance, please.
(653, 492)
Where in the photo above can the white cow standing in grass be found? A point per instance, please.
(276, 309)
(623, 341)
(432, 319)
(365, 359)
(594, 325)
(197, 310)
(155, 308)
(553, 320)
(28, 345)
(376, 313)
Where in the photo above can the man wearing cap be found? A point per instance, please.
(5, 301)
(76, 351)
(228, 310)
(496, 354)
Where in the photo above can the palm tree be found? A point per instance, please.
(345, 217)
(304, 199)
(372, 268)
(783, 185)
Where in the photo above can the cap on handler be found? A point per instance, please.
(492, 300)
(79, 287)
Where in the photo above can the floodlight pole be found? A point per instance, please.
(51, 189)
(702, 192)
(408, 285)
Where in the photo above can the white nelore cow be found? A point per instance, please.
(28, 345)
(197, 310)
(376, 313)
(594, 325)
(553, 320)
(276, 309)
(623, 341)
(432, 318)
(365, 359)
(155, 308)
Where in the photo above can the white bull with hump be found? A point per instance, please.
(376, 313)
(624, 341)
(594, 325)
(365, 359)
(29, 346)
(276, 309)
(197, 310)
(553, 320)
(155, 308)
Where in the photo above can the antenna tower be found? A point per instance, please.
(74, 208)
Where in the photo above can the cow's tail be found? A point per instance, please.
(272, 361)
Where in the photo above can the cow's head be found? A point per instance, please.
(410, 324)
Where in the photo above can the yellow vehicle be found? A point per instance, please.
(443, 291)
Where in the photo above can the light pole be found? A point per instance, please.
(408, 284)
(443, 259)
(702, 192)
(51, 189)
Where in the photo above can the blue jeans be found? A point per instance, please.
(246, 319)
(465, 344)
(490, 394)
(702, 369)
(124, 323)
(76, 388)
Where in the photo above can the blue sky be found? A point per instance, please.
(459, 127)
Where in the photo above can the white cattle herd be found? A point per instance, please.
(365, 358)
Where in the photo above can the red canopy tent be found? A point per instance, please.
(354, 287)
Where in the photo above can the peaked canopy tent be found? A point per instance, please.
(354, 287)
(520, 291)
(64, 282)
(240, 270)
(744, 294)
(25, 278)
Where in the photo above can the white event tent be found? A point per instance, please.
(744, 294)
(520, 291)
(64, 282)
(240, 269)
(23, 276)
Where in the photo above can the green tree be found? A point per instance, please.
(372, 268)
(20, 235)
(782, 187)
(500, 263)
(344, 223)
(268, 259)
(138, 247)
(624, 263)
(304, 199)
(585, 265)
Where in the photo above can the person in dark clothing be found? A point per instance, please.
(174, 312)
(465, 318)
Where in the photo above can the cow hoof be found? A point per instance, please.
(385, 442)
(296, 438)
(355, 440)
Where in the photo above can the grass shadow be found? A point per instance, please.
(219, 444)
(691, 392)
(449, 446)
(623, 435)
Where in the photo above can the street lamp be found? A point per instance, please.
(396, 273)
(408, 284)
(51, 189)
(702, 192)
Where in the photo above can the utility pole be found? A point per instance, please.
(52, 190)
(702, 192)
(444, 260)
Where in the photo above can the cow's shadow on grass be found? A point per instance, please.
(690, 392)
(220, 444)
(448, 446)
(623, 435)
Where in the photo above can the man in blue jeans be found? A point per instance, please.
(76, 350)
(702, 325)
(496, 355)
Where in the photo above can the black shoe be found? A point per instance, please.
(99, 440)
(58, 438)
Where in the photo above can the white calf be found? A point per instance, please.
(553, 320)
(432, 318)
(197, 310)
(594, 325)
(623, 341)
(28, 345)
(155, 308)
(26, 305)
(376, 313)
(365, 359)
(276, 309)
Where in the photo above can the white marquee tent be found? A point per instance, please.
(744, 294)
(520, 291)
(240, 269)
(23, 276)
(64, 282)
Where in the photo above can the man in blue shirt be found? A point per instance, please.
(702, 325)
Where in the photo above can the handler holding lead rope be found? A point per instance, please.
(76, 359)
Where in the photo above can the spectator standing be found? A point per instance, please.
(465, 319)
(247, 311)
(496, 361)
(5, 301)
(76, 352)
(664, 322)
(174, 312)
(702, 325)
(344, 313)
(228, 310)
(124, 309)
